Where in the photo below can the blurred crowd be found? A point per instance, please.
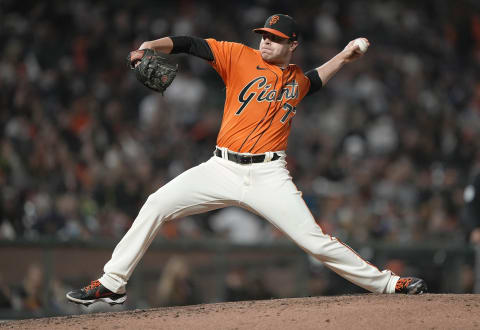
(383, 152)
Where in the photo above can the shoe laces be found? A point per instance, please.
(92, 285)
(402, 283)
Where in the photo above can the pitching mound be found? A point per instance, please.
(368, 311)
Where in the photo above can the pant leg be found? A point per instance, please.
(274, 196)
(200, 189)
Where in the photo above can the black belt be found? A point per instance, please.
(245, 159)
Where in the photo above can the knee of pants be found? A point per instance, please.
(318, 244)
(160, 205)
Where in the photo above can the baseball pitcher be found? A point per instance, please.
(248, 167)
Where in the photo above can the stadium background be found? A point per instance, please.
(382, 154)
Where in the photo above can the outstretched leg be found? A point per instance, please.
(203, 188)
(281, 203)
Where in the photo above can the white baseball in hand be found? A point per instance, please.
(362, 44)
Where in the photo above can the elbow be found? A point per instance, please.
(323, 78)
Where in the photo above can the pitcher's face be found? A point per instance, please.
(276, 50)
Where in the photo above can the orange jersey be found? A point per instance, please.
(261, 98)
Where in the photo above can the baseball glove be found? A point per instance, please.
(151, 69)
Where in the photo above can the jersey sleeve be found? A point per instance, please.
(304, 82)
(225, 57)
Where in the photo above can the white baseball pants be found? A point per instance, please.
(264, 188)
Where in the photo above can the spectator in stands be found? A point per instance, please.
(29, 295)
(176, 286)
(471, 211)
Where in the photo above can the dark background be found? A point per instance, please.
(382, 154)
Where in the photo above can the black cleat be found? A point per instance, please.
(95, 292)
(411, 285)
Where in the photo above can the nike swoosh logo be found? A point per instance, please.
(260, 68)
(98, 295)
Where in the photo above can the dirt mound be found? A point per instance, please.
(367, 311)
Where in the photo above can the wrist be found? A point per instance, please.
(145, 45)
